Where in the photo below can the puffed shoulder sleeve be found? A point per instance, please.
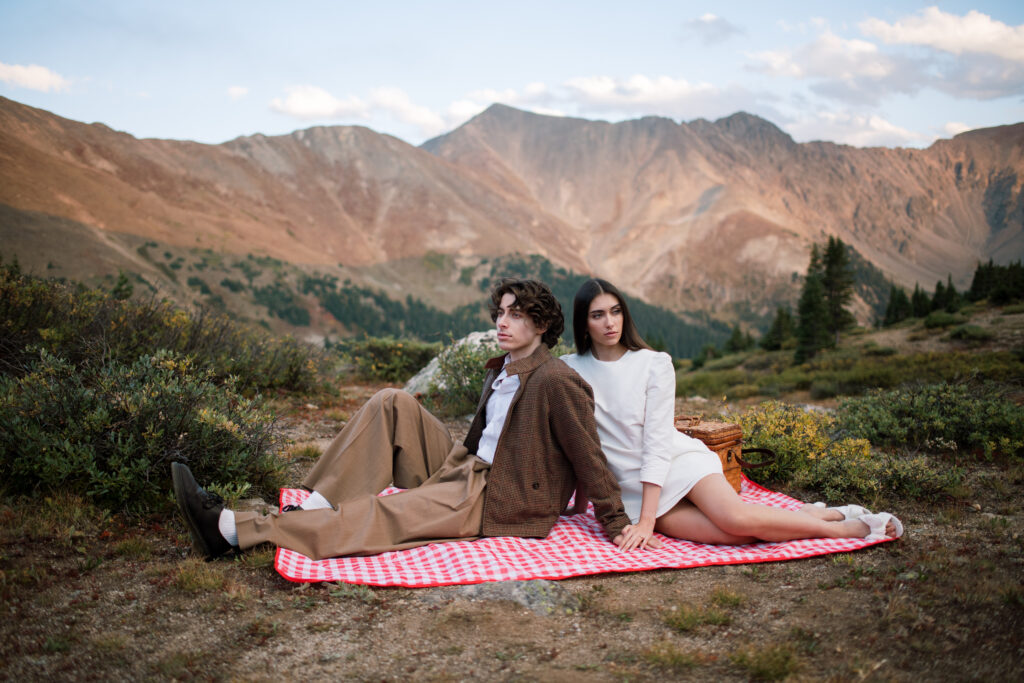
(659, 420)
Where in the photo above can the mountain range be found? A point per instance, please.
(715, 217)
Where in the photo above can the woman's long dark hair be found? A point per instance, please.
(589, 291)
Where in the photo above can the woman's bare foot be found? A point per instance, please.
(874, 526)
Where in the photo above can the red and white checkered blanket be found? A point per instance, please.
(575, 547)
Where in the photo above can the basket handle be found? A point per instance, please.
(769, 454)
(692, 420)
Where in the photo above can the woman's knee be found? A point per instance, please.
(736, 519)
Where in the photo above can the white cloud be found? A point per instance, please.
(853, 129)
(309, 102)
(591, 97)
(850, 70)
(957, 60)
(396, 103)
(955, 128)
(237, 92)
(33, 77)
(712, 29)
(972, 33)
(635, 91)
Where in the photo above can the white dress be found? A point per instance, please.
(635, 400)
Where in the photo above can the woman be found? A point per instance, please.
(672, 483)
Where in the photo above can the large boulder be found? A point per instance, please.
(420, 383)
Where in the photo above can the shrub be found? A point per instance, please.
(840, 469)
(798, 437)
(386, 359)
(109, 431)
(938, 417)
(972, 333)
(458, 384)
(943, 319)
(87, 326)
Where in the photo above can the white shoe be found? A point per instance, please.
(848, 511)
(877, 523)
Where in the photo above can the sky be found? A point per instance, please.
(866, 74)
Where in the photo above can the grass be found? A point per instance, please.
(768, 663)
(685, 618)
(859, 364)
(134, 548)
(197, 576)
(667, 656)
(305, 452)
(349, 591)
(723, 597)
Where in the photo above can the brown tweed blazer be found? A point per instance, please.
(548, 448)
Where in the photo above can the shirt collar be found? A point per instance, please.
(523, 365)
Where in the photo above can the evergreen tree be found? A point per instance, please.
(953, 298)
(123, 288)
(737, 341)
(939, 299)
(920, 303)
(812, 333)
(983, 281)
(837, 281)
(899, 307)
(780, 330)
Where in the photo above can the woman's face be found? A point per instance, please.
(604, 320)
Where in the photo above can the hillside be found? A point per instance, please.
(711, 213)
(711, 218)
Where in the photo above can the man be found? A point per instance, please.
(532, 442)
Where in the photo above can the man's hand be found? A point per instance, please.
(640, 535)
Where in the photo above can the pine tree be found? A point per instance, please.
(737, 341)
(983, 281)
(812, 332)
(780, 331)
(920, 303)
(953, 299)
(899, 307)
(837, 281)
(939, 299)
(123, 288)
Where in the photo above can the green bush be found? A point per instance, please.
(385, 359)
(458, 384)
(972, 333)
(86, 326)
(840, 469)
(943, 319)
(938, 417)
(109, 430)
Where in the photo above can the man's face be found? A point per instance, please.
(517, 335)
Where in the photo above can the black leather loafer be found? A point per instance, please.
(201, 510)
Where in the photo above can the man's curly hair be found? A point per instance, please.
(534, 298)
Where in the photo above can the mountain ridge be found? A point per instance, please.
(715, 216)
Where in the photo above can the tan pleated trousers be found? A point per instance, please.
(392, 439)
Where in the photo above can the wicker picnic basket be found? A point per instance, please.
(725, 439)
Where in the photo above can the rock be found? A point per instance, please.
(540, 596)
(420, 383)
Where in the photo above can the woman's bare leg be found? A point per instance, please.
(719, 506)
(687, 522)
(826, 514)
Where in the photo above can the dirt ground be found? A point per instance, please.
(111, 599)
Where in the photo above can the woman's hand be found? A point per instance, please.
(639, 535)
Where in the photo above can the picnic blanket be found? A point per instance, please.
(576, 546)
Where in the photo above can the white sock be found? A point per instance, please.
(315, 502)
(226, 525)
